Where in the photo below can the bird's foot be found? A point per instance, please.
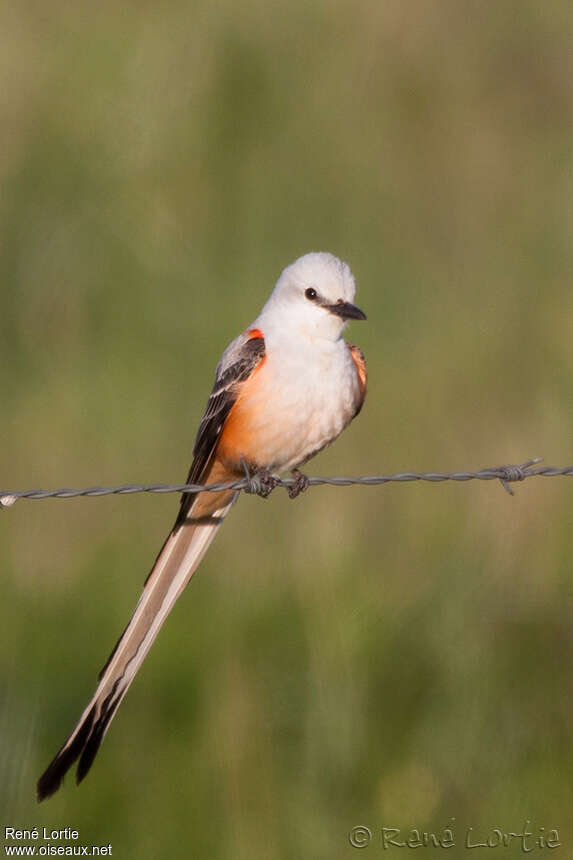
(261, 482)
(301, 483)
(267, 483)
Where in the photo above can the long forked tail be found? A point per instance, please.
(181, 553)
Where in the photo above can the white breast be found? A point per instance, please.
(305, 395)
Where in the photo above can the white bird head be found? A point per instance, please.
(315, 295)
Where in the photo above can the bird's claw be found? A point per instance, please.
(301, 483)
(267, 483)
(260, 483)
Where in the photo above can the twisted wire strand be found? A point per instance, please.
(251, 483)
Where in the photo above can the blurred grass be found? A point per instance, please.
(393, 656)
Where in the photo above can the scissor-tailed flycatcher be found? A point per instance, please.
(284, 389)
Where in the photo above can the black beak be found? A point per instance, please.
(346, 311)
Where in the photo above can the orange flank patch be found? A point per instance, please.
(239, 435)
(255, 332)
(360, 364)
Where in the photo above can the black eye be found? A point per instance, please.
(310, 294)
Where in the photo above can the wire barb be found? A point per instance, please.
(253, 483)
(516, 473)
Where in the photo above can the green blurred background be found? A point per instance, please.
(394, 656)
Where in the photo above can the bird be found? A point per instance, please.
(284, 389)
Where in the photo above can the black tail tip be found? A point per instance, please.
(49, 782)
(74, 748)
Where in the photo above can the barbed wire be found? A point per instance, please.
(252, 483)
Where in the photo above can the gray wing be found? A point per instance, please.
(238, 362)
